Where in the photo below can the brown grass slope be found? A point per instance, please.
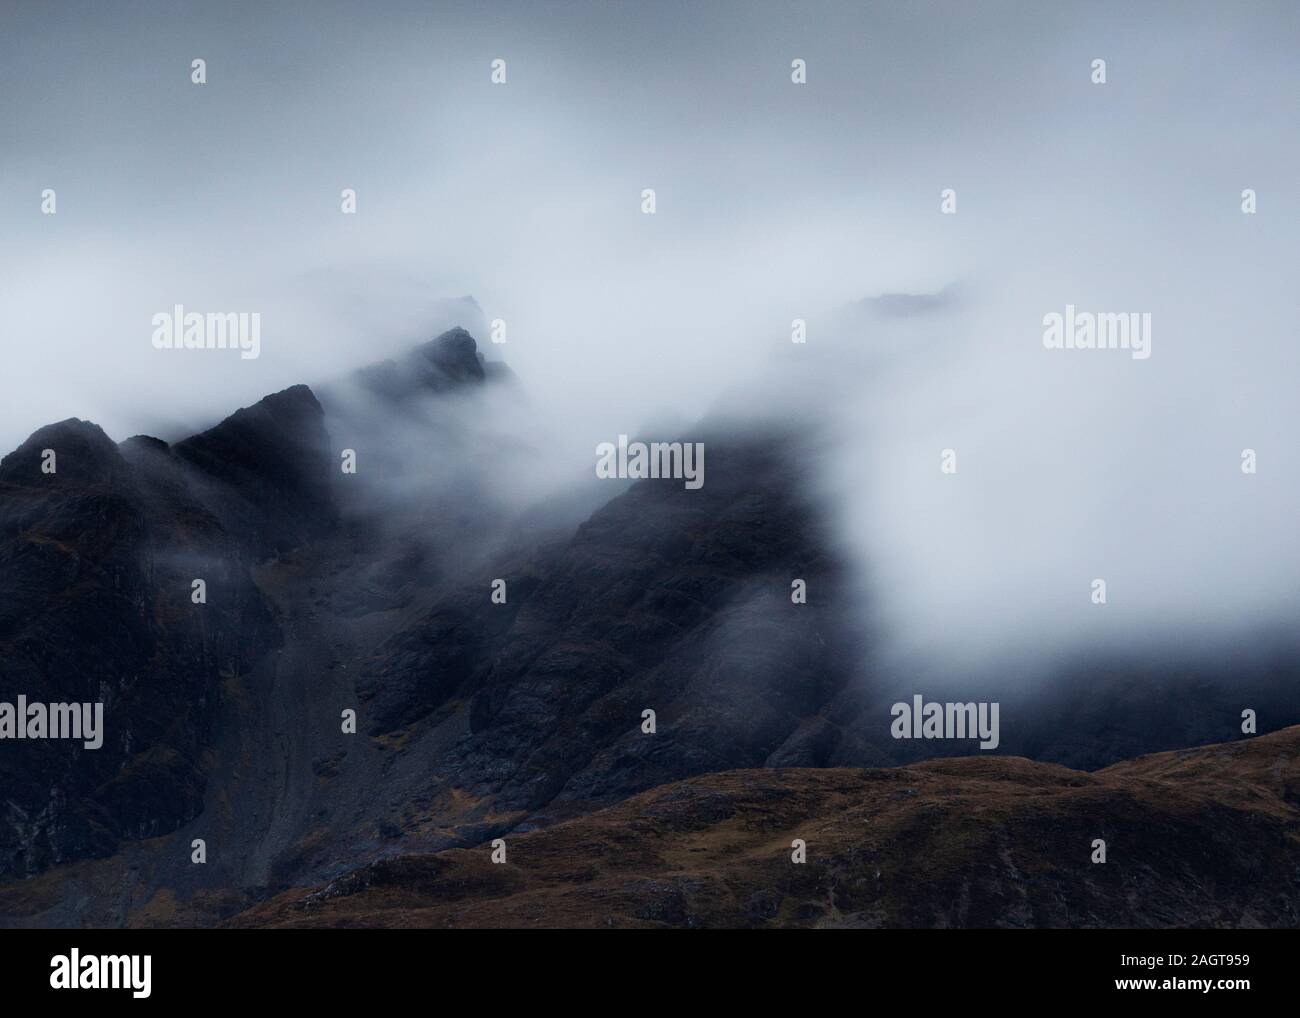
(1207, 837)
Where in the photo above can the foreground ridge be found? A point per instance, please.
(1206, 837)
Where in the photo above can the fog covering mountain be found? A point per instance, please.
(820, 203)
(371, 592)
(775, 201)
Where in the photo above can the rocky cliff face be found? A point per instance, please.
(666, 599)
(98, 559)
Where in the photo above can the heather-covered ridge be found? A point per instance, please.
(1194, 838)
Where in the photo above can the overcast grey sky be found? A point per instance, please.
(775, 201)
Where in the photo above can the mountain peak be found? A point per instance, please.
(272, 464)
(448, 361)
(83, 453)
(456, 353)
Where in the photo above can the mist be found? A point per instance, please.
(774, 202)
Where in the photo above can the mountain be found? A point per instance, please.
(1194, 838)
(98, 558)
(352, 692)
